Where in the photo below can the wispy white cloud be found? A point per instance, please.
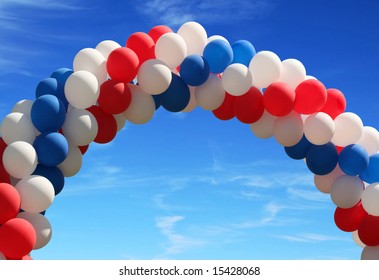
(11, 67)
(250, 194)
(309, 195)
(11, 19)
(100, 147)
(256, 181)
(271, 211)
(216, 165)
(161, 202)
(311, 238)
(272, 179)
(177, 242)
(20, 21)
(179, 115)
(176, 12)
(168, 196)
(40, 4)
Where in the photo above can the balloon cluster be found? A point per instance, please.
(43, 140)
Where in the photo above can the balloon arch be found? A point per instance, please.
(43, 140)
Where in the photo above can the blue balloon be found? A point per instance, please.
(371, 174)
(51, 148)
(42, 213)
(243, 52)
(48, 113)
(177, 96)
(157, 101)
(218, 54)
(299, 150)
(53, 174)
(61, 75)
(353, 159)
(322, 159)
(53, 87)
(194, 70)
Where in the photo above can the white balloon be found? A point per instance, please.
(14, 180)
(211, 94)
(20, 159)
(17, 127)
(93, 61)
(357, 240)
(304, 117)
(36, 193)
(23, 107)
(120, 120)
(348, 131)
(82, 89)
(293, 72)
(217, 37)
(319, 128)
(154, 77)
(236, 79)
(288, 130)
(369, 140)
(80, 127)
(73, 162)
(346, 191)
(370, 199)
(264, 127)
(106, 47)
(195, 37)
(171, 49)
(265, 68)
(309, 77)
(142, 107)
(41, 226)
(324, 182)
(192, 103)
(370, 253)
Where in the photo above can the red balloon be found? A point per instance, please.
(27, 258)
(3, 145)
(107, 125)
(83, 149)
(339, 149)
(335, 103)
(17, 238)
(9, 202)
(368, 230)
(115, 97)
(4, 176)
(122, 65)
(310, 97)
(157, 31)
(143, 45)
(279, 98)
(249, 107)
(226, 110)
(349, 219)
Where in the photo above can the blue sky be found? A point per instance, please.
(189, 186)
